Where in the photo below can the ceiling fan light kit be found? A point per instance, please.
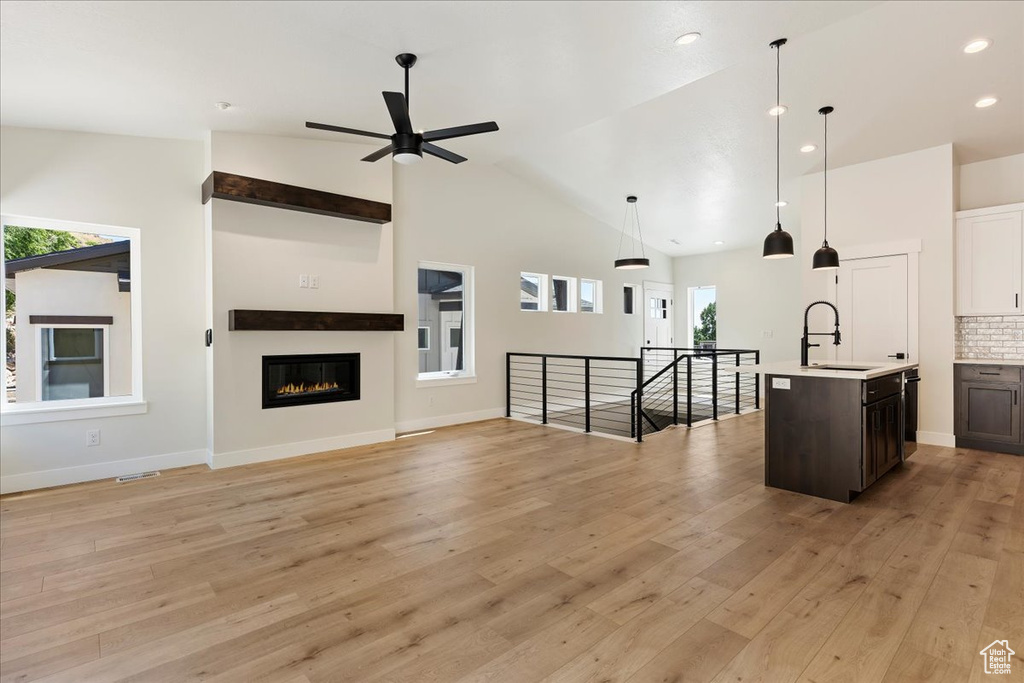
(632, 262)
(407, 146)
(779, 243)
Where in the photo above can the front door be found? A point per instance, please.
(872, 297)
(658, 315)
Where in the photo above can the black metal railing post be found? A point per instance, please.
(714, 385)
(757, 381)
(632, 416)
(737, 384)
(508, 385)
(544, 389)
(639, 400)
(689, 390)
(586, 394)
(675, 391)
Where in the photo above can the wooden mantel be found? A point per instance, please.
(239, 188)
(239, 319)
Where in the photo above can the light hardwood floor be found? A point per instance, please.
(502, 551)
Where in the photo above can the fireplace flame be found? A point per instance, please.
(291, 389)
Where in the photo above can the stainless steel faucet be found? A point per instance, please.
(805, 342)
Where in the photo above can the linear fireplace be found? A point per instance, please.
(311, 378)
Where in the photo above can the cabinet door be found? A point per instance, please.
(872, 424)
(893, 434)
(989, 269)
(989, 411)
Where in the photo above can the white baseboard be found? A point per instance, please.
(290, 450)
(447, 420)
(936, 439)
(101, 470)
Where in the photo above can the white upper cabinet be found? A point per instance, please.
(989, 257)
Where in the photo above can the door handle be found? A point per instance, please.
(897, 356)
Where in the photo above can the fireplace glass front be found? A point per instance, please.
(312, 378)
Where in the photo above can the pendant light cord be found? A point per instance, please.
(778, 134)
(622, 234)
(636, 212)
(825, 142)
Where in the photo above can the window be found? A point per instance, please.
(445, 314)
(72, 332)
(563, 294)
(590, 296)
(628, 299)
(533, 292)
(703, 311)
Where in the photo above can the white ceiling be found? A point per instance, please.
(594, 99)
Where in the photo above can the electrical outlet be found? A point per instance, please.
(92, 437)
(314, 282)
(304, 281)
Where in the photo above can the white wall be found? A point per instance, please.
(992, 183)
(258, 254)
(753, 296)
(905, 197)
(52, 291)
(483, 217)
(144, 183)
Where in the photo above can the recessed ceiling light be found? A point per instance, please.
(719, 243)
(781, 202)
(778, 110)
(977, 45)
(985, 102)
(808, 148)
(223, 105)
(687, 38)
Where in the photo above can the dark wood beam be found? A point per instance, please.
(239, 188)
(71, 320)
(310, 320)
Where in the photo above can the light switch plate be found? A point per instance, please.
(314, 282)
(780, 382)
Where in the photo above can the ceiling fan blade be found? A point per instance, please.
(351, 131)
(380, 153)
(443, 153)
(399, 111)
(460, 131)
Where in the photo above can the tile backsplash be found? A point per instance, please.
(996, 337)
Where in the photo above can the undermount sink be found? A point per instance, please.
(862, 368)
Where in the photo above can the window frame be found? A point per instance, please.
(634, 289)
(427, 329)
(543, 292)
(81, 408)
(598, 296)
(468, 373)
(39, 328)
(571, 295)
(692, 313)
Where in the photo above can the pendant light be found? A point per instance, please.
(826, 258)
(778, 243)
(634, 262)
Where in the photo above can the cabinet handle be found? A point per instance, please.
(874, 420)
(1014, 397)
(1016, 300)
(993, 374)
(889, 412)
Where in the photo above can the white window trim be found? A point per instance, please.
(543, 291)
(82, 408)
(37, 332)
(598, 296)
(690, 312)
(418, 347)
(571, 295)
(636, 302)
(468, 374)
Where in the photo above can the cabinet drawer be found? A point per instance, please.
(990, 373)
(876, 389)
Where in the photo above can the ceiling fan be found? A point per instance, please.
(407, 146)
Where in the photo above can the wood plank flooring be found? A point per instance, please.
(504, 551)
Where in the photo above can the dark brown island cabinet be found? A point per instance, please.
(833, 436)
(988, 407)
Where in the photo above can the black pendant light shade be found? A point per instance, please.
(826, 258)
(778, 243)
(634, 262)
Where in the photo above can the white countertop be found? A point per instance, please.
(987, 361)
(793, 368)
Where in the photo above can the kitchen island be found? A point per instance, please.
(832, 430)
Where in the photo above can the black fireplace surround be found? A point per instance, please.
(310, 378)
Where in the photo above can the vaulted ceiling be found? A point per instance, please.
(594, 99)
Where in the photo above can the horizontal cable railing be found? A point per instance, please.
(627, 396)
